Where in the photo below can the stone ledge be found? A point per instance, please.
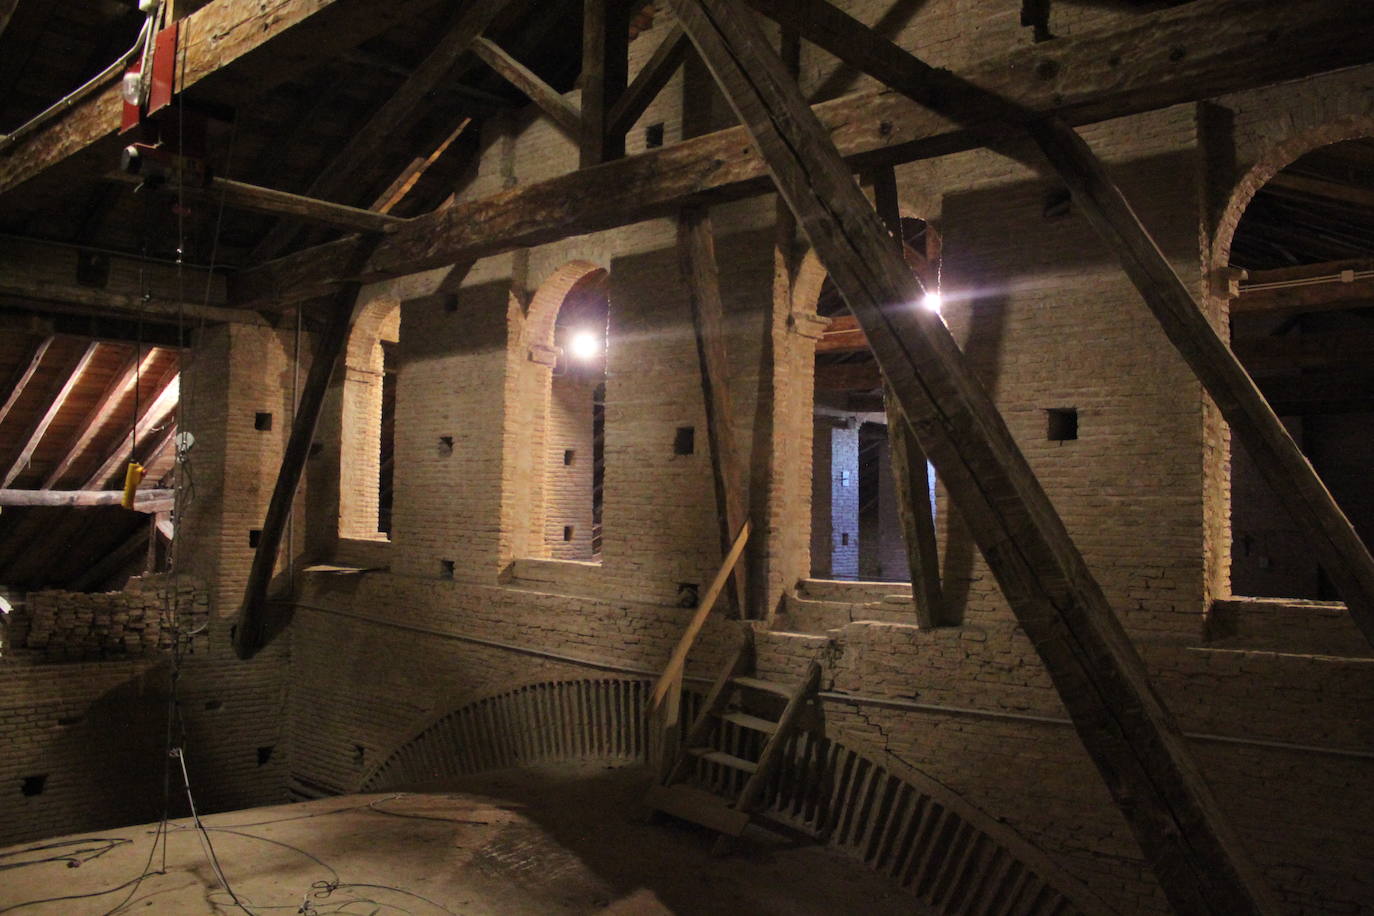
(1285, 625)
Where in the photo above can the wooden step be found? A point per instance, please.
(753, 723)
(754, 683)
(711, 755)
(698, 806)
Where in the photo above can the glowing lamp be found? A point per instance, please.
(584, 345)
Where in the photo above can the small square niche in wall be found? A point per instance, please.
(568, 455)
(653, 136)
(685, 440)
(445, 446)
(567, 532)
(445, 569)
(1061, 424)
(262, 420)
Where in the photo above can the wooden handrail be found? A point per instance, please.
(673, 671)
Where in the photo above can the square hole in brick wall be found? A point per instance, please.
(567, 532)
(445, 569)
(1057, 204)
(688, 594)
(262, 420)
(212, 705)
(254, 536)
(265, 754)
(445, 446)
(653, 136)
(70, 720)
(568, 455)
(34, 785)
(844, 539)
(685, 440)
(1061, 424)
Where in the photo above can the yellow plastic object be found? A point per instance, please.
(132, 478)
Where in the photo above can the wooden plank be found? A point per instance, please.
(910, 473)
(843, 335)
(1127, 731)
(605, 72)
(771, 755)
(715, 700)
(40, 426)
(160, 407)
(253, 198)
(25, 375)
(119, 386)
(250, 632)
(1348, 194)
(1290, 476)
(226, 55)
(1092, 76)
(85, 299)
(697, 806)
(697, 261)
(678, 659)
(649, 82)
(151, 501)
(550, 101)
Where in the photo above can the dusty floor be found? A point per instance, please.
(541, 840)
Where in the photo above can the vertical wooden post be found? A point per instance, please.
(910, 471)
(605, 74)
(697, 257)
(1125, 728)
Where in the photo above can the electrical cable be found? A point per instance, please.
(74, 858)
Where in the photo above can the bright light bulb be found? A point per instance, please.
(584, 345)
(131, 88)
(933, 301)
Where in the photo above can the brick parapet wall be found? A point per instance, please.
(140, 620)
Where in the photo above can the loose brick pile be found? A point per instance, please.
(141, 620)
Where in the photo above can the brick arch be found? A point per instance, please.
(799, 353)
(1275, 159)
(361, 422)
(549, 298)
(831, 783)
(531, 357)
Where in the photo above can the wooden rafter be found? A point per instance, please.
(40, 426)
(1126, 730)
(697, 257)
(159, 409)
(649, 82)
(221, 60)
(21, 381)
(362, 147)
(550, 101)
(1309, 288)
(144, 500)
(253, 198)
(119, 386)
(724, 165)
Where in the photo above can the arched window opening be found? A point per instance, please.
(856, 530)
(1303, 325)
(367, 435)
(575, 463)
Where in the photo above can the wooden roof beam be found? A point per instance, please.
(40, 426)
(149, 501)
(224, 57)
(562, 112)
(1102, 682)
(119, 386)
(1087, 77)
(365, 143)
(1308, 288)
(649, 82)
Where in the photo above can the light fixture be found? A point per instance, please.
(933, 301)
(584, 345)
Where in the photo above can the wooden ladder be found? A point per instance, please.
(716, 779)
